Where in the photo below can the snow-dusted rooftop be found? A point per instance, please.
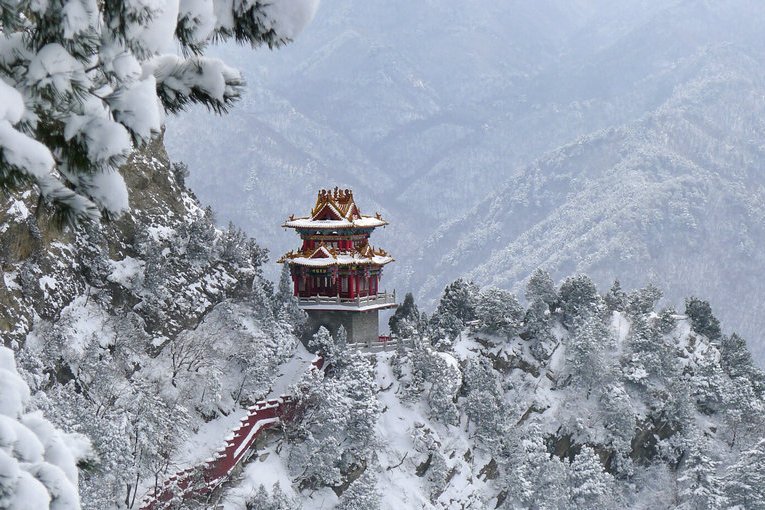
(326, 257)
(335, 209)
(363, 222)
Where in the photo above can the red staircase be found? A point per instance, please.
(205, 478)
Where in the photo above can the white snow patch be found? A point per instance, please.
(126, 271)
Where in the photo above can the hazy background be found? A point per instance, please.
(621, 139)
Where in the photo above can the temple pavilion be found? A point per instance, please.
(336, 272)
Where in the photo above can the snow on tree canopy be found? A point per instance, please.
(83, 82)
(38, 463)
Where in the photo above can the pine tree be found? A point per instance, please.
(700, 488)
(233, 246)
(82, 83)
(532, 477)
(647, 359)
(341, 340)
(538, 324)
(541, 287)
(262, 303)
(702, 319)
(323, 343)
(484, 402)
(588, 362)
(644, 300)
(362, 494)
(616, 298)
(455, 310)
(405, 321)
(38, 466)
(338, 424)
(578, 297)
(589, 486)
(736, 361)
(708, 382)
(498, 312)
(446, 381)
(201, 237)
(745, 481)
(286, 301)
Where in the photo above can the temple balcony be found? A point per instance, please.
(358, 304)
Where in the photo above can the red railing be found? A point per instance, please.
(206, 477)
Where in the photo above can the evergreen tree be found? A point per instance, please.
(588, 361)
(286, 301)
(262, 303)
(589, 486)
(405, 321)
(700, 488)
(446, 381)
(323, 343)
(644, 300)
(285, 290)
(538, 324)
(83, 82)
(201, 237)
(667, 321)
(745, 480)
(702, 320)
(616, 298)
(498, 312)
(483, 404)
(455, 310)
(541, 287)
(532, 477)
(618, 416)
(736, 361)
(233, 246)
(38, 463)
(341, 339)
(362, 494)
(277, 500)
(338, 425)
(647, 359)
(708, 382)
(578, 297)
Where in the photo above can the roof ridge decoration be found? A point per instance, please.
(335, 209)
(339, 201)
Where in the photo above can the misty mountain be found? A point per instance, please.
(676, 196)
(434, 112)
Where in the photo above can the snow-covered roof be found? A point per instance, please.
(363, 222)
(341, 260)
(335, 209)
(327, 257)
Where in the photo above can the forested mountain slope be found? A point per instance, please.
(579, 401)
(428, 110)
(675, 197)
(137, 331)
(151, 332)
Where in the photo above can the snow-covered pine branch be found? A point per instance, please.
(38, 463)
(83, 82)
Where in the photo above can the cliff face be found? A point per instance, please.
(46, 267)
(138, 330)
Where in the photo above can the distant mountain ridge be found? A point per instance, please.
(431, 112)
